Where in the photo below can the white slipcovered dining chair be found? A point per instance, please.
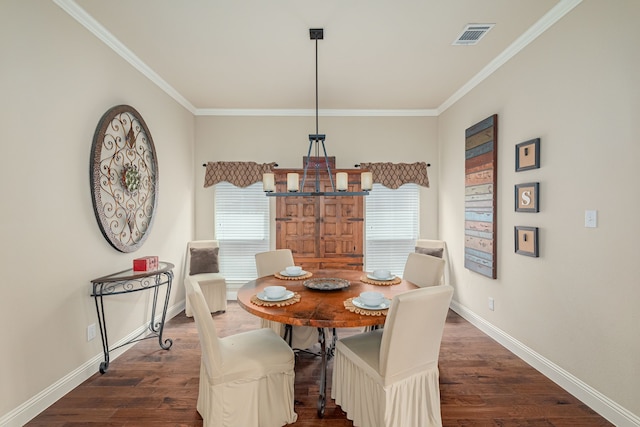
(246, 379)
(423, 270)
(202, 267)
(389, 377)
(271, 262)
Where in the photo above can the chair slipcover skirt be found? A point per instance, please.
(411, 401)
(389, 377)
(246, 379)
(251, 399)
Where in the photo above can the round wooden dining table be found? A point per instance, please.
(323, 309)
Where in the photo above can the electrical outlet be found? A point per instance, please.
(491, 304)
(91, 331)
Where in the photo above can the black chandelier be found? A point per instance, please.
(339, 186)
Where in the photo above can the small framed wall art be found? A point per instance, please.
(527, 197)
(528, 155)
(526, 239)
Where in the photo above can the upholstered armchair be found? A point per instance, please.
(202, 267)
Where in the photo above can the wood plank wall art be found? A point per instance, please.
(480, 225)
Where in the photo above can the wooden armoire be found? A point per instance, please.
(321, 231)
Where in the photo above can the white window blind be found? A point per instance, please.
(391, 226)
(242, 229)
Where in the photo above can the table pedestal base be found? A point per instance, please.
(325, 353)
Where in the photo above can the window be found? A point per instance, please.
(391, 226)
(242, 229)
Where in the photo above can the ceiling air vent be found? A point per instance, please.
(472, 34)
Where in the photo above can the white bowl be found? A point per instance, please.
(275, 291)
(293, 270)
(371, 298)
(381, 274)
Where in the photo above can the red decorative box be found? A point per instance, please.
(147, 263)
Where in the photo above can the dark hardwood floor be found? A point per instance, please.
(481, 383)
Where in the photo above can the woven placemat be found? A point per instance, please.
(349, 306)
(304, 276)
(257, 301)
(393, 281)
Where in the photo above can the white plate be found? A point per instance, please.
(385, 304)
(286, 296)
(372, 277)
(284, 273)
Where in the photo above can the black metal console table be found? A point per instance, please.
(128, 281)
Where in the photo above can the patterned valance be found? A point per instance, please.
(240, 174)
(393, 175)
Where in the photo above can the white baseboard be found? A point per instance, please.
(600, 403)
(591, 397)
(31, 408)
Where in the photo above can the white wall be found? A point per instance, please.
(576, 87)
(285, 140)
(56, 81)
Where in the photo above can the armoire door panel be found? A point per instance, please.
(310, 247)
(308, 229)
(309, 210)
(329, 211)
(346, 229)
(348, 210)
(322, 232)
(329, 247)
(328, 229)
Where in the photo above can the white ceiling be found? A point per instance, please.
(218, 56)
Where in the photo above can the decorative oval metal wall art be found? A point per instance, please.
(124, 178)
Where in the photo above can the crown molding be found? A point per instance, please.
(86, 20)
(312, 113)
(550, 18)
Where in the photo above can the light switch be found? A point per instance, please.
(590, 219)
